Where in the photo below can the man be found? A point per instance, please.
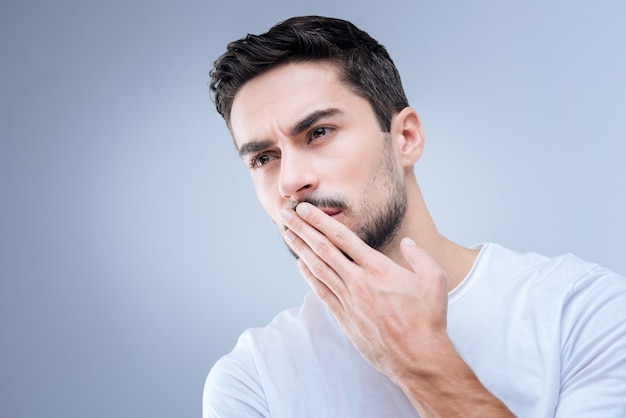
(401, 321)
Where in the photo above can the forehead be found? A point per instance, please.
(282, 95)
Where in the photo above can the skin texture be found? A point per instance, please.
(312, 144)
(364, 188)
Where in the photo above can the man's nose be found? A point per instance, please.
(297, 174)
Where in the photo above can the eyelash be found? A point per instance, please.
(254, 161)
(312, 133)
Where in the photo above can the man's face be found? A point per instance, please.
(305, 136)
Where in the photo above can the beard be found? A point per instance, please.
(382, 218)
(382, 209)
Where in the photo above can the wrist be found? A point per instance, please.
(440, 383)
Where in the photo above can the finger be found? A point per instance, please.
(317, 267)
(420, 260)
(327, 296)
(433, 279)
(338, 234)
(320, 244)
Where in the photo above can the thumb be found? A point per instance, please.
(417, 257)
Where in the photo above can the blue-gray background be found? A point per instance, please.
(133, 251)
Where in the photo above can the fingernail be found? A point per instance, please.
(285, 215)
(409, 241)
(302, 209)
(290, 235)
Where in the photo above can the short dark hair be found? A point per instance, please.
(363, 64)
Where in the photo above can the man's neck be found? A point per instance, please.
(455, 259)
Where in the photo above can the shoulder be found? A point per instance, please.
(563, 273)
(561, 286)
(586, 301)
(567, 319)
(233, 386)
(264, 360)
(559, 296)
(593, 343)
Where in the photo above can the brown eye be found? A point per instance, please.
(260, 160)
(318, 133)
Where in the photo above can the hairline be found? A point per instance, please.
(334, 63)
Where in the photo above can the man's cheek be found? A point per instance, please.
(271, 209)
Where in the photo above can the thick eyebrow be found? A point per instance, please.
(253, 146)
(301, 126)
(306, 122)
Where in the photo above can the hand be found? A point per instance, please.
(396, 318)
(390, 314)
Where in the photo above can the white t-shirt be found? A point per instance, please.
(547, 336)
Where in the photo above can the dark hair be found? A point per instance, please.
(363, 64)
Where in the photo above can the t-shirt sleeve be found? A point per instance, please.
(233, 387)
(593, 371)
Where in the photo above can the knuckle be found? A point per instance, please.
(322, 293)
(358, 288)
(439, 275)
(297, 246)
(322, 248)
(318, 270)
(296, 227)
(379, 269)
(353, 279)
(339, 237)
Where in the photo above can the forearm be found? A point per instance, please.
(443, 385)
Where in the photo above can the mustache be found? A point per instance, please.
(323, 202)
(338, 203)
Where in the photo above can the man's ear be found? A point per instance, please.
(408, 137)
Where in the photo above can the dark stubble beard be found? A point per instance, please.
(380, 219)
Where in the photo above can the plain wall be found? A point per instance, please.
(133, 251)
